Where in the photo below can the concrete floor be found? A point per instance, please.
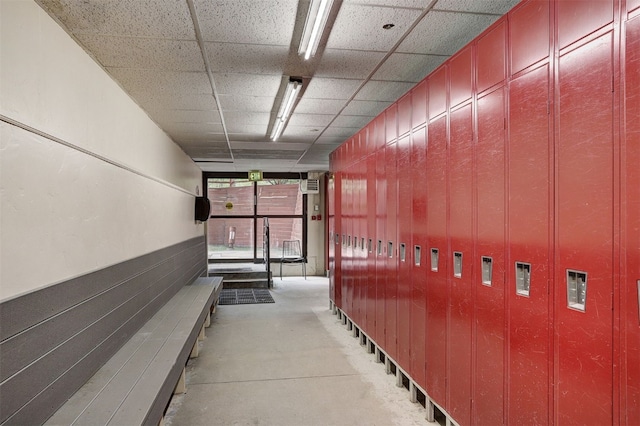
(288, 363)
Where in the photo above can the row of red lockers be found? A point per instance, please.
(485, 228)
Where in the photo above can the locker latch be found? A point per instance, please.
(379, 251)
(523, 278)
(457, 264)
(576, 290)
(390, 249)
(487, 270)
(416, 255)
(370, 246)
(434, 259)
(403, 252)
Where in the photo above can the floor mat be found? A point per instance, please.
(245, 296)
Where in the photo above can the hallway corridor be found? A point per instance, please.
(288, 363)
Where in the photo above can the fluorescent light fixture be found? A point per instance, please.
(290, 96)
(314, 26)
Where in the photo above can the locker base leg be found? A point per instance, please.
(413, 392)
(378, 354)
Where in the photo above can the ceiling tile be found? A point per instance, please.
(415, 4)
(318, 121)
(348, 63)
(242, 117)
(181, 130)
(267, 154)
(247, 21)
(161, 82)
(408, 67)
(319, 106)
(383, 91)
(444, 33)
(499, 7)
(358, 121)
(275, 146)
(185, 116)
(368, 108)
(334, 141)
(331, 88)
(247, 58)
(359, 27)
(129, 52)
(158, 101)
(257, 130)
(246, 103)
(247, 84)
(140, 18)
(344, 132)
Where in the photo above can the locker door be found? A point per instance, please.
(631, 277)
(358, 291)
(337, 239)
(380, 245)
(391, 291)
(460, 77)
(419, 104)
(530, 183)
(404, 114)
(461, 266)
(331, 227)
(492, 57)
(579, 18)
(437, 298)
(489, 334)
(420, 263)
(584, 264)
(371, 245)
(529, 34)
(362, 252)
(347, 277)
(404, 251)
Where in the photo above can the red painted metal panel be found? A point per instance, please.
(380, 244)
(530, 177)
(460, 77)
(419, 264)
(529, 34)
(585, 234)
(391, 122)
(337, 239)
(404, 114)
(632, 5)
(492, 48)
(489, 327)
(391, 290)
(578, 18)
(437, 93)
(380, 132)
(331, 227)
(630, 391)
(419, 104)
(404, 251)
(437, 298)
(371, 243)
(359, 293)
(460, 313)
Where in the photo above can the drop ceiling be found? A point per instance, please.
(212, 73)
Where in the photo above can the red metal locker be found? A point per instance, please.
(437, 92)
(391, 290)
(370, 246)
(347, 228)
(380, 132)
(420, 249)
(391, 122)
(337, 238)
(419, 104)
(630, 392)
(492, 49)
(436, 254)
(460, 77)
(461, 268)
(584, 236)
(331, 227)
(529, 34)
(404, 251)
(632, 5)
(529, 241)
(489, 325)
(380, 245)
(579, 18)
(404, 114)
(359, 293)
(362, 248)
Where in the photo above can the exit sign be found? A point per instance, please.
(255, 175)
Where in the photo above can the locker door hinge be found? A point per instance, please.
(548, 107)
(504, 121)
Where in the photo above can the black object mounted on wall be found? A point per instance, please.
(203, 209)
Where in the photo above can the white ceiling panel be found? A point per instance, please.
(131, 52)
(247, 84)
(499, 7)
(236, 129)
(247, 58)
(185, 116)
(348, 63)
(383, 91)
(274, 146)
(367, 108)
(158, 101)
(359, 27)
(318, 121)
(186, 129)
(407, 67)
(247, 21)
(344, 132)
(331, 88)
(242, 117)
(140, 18)
(163, 82)
(246, 103)
(319, 106)
(444, 33)
(351, 120)
(335, 141)
(415, 4)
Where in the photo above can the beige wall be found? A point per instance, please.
(87, 180)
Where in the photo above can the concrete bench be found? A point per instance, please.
(135, 386)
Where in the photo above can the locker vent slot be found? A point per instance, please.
(349, 241)
(523, 278)
(416, 255)
(362, 243)
(434, 259)
(638, 301)
(344, 239)
(487, 270)
(403, 252)
(379, 247)
(370, 246)
(457, 264)
(576, 290)
(390, 249)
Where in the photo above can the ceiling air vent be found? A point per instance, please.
(310, 186)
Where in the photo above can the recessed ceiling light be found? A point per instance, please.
(388, 26)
